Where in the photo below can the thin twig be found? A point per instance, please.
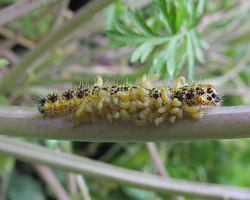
(157, 159)
(40, 155)
(49, 178)
(151, 146)
(72, 185)
(83, 187)
(18, 39)
(59, 18)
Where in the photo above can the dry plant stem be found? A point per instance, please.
(157, 159)
(40, 155)
(72, 185)
(151, 146)
(83, 187)
(59, 18)
(51, 181)
(20, 9)
(219, 123)
(52, 41)
(5, 180)
(18, 39)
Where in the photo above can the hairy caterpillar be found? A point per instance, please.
(140, 103)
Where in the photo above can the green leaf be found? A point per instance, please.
(158, 65)
(142, 22)
(165, 16)
(191, 16)
(142, 52)
(175, 18)
(172, 15)
(180, 18)
(200, 9)
(123, 30)
(197, 46)
(171, 56)
(190, 7)
(180, 64)
(139, 22)
(159, 40)
(190, 53)
(119, 40)
(111, 16)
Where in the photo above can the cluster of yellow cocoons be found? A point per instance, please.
(141, 104)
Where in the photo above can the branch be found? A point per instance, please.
(219, 123)
(83, 187)
(52, 182)
(41, 155)
(160, 167)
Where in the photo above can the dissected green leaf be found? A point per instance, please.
(139, 23)
(142, 52)
(180, 64)
(142, 24)
(111, 16)
(163, 10)
(172, 14)
(190, 56)
(197, 47)
(172, 26)
(200, 8)
(190, 7)
(171, 57)
(120, 40)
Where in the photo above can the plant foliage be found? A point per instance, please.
(167, 36)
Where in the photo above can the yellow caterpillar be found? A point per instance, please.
(140, 103)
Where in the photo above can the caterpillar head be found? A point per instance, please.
(198, 95)
(210, 96)
(41, 101)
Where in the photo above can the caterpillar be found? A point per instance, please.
(141, 103)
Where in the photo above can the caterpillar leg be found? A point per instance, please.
(146, 82)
